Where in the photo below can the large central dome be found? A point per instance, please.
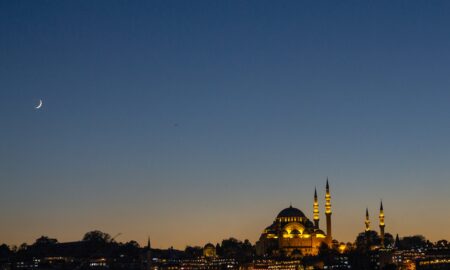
(290, 212)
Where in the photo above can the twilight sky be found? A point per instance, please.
(194, 121)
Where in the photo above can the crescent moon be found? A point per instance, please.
(39, 105)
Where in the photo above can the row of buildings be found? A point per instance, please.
(291, 241)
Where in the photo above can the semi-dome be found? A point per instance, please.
(290, 212)
(270, 229)
(319, 231)
(309, 224)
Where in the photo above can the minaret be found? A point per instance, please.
(148, 255)
(367, 232)
(367, 220)
(382, 224)
(328, 213)
(316, 210)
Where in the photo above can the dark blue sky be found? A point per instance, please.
(192, 121)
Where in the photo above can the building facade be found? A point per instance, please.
(292, 234)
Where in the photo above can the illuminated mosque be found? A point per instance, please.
(293, 234)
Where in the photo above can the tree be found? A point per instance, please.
(230, 247)
(241, 251)
(128, 250)
(5, 252)
(14, 248)
(247, 250)
(45, 240)
(132, 244)
(326, 254)
(388, 240)
(97, 237)
(193, 252)
(413, 242)
(366, 240)
(98, 244)
(219, 250)
(23, 247)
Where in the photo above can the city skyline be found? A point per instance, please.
(368, 225)
(193, 122)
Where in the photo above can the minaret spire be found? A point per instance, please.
(382, 225)
(149, 246)
(148, 256)
(367, 220)
(328, 212)
(316, 210)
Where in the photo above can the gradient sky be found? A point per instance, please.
(194, 121)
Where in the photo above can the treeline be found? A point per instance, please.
(96, 244)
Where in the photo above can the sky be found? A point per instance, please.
(195, 121)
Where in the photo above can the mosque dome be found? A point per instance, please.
(290, 212)
(209, 250)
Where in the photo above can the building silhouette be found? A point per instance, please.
(292, 234)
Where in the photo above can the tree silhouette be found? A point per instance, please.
(45, 240)
(5, 252)
(413, 242)
(241, 251)
(193, 252)
(326, 254)
(366, 240)
(97, 236)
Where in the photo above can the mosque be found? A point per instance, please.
(293, 234)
